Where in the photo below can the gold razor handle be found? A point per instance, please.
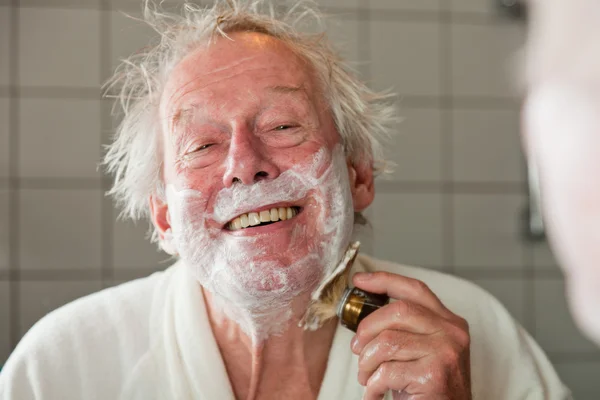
(357, 304)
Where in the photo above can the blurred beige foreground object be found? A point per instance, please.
(561, 123)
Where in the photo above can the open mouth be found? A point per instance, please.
(261, 218)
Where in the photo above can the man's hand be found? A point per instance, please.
(414, 346)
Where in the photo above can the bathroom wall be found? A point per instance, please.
(453, 204)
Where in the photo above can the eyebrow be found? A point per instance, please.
(181, 115)
(286, 89)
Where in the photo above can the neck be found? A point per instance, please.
(287, 363)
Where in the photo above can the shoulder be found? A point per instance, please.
(102, 334)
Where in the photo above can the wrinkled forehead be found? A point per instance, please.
(226, 61)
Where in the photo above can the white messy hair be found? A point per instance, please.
(363, 118)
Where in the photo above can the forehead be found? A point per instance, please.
(253, 60)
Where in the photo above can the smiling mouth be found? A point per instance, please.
(265, 217)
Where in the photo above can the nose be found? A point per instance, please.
(248, 161)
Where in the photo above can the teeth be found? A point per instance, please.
(282, 214)
(254, 218)
(245, 222)
(274, 214)
(265, 216)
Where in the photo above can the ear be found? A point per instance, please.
(362, 184)
(159, 213)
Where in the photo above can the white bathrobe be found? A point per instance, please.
(151, 339)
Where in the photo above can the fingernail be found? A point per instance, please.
(364, 276)
(354, 344)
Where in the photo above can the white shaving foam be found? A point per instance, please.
(252, 282)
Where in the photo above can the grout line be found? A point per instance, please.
(383, 14)
(497, 272)
(530, 275)
(448, 187)
(107, 212)
(56, 4)
(576, 357)
(382, 185)
(49, 275)
(63, 92)
(364, 39)
(500, 272)
(13, 200)
(57, 183)
(405, 100)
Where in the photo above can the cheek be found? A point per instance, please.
(301, 158)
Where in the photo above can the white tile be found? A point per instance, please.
(581, 377)
(483, 59)
(126, 275)
(487, 231)
(343, 30)
(406, 56)
(60, 229)
(487, 146)
(59, 138)
(510, 292)
(407, 228)
(4, 230)
(169, 5)
(133, 250)
(127, 35)
(338, 3)
(59, 47)
(476, 6)
(364, 233)
(5, 347)
(5, 29)
(416, 147)
(60, 3)
(555, 330)
(36, 299)
(411, 5)
(4, 138)
(543, 257)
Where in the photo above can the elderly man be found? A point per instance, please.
(251, 148)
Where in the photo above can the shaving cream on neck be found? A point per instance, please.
(254, 283)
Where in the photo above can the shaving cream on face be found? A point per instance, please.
(255, 277)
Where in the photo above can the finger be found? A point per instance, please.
(399, 315)
(395, 375)
(400, 287)
(392, 346)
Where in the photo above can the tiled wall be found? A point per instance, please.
(453, 204)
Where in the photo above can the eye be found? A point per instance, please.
(282, 127)
(199, 148)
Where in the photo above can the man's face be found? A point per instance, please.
(246, 130)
